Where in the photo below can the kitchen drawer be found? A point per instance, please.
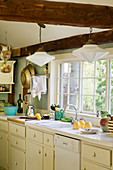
(17, 142)
(17, 129)
(35, 135)
(17, 159)
(90, 166)
(96, 154)
(48, 140)
(3, 125)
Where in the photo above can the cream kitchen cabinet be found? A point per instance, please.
(17, 147)
(48, 159)
(94, 157)
(33, 156)
(3, 145)
(6, 79)
(39, 150)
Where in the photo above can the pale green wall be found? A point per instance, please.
(20, 64)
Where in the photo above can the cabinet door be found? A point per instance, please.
(48, 159)
(17, 159)
(33, 156)
(3, 150)
(90, 166)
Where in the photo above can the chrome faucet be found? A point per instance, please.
(74, 108)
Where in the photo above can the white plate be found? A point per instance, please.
(89, 131)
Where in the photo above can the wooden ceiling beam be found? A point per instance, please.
(57, 13)
(67, 43)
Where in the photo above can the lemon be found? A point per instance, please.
(37, 115)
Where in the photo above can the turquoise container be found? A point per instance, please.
(10, 110)
(59, 114)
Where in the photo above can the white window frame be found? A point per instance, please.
(68, 57)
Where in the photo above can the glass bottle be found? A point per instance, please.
(20, 104)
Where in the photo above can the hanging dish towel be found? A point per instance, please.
(38, 86)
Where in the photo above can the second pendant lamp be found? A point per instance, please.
(40, 57)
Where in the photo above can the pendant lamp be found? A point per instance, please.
(90, 52)
(40, 57)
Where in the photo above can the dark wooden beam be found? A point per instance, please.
(67, 43)
(57, 13)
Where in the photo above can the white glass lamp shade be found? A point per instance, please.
(40, 58)
(90, 52)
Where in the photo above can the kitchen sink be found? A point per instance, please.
(53, 124)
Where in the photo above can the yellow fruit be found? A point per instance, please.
(31, 115)
(88, 125)
(76, 125)
(82, 123)
(37, 114)
(39, 117)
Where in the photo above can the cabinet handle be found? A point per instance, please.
(47, 140)
(84, 168)
(94, 154)
(45, 154)
(16, 142)
(16, 130)
(0, 137)
(16, 163)
(34, 135)
(64, 143)
(39, 151)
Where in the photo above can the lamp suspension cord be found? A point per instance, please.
(6, 37)
(40, 35)
(90, 32)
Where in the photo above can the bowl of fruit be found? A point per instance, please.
(53, 106)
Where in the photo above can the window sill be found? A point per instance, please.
(92, 118)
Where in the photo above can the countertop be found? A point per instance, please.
(66, 129)
(63, 128)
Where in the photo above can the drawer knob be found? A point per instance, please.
(16, 142)
(16, 163)
(16, 130)
(34, 135)
(0, 137)
(84, 168)
(45, 154)
(39, 151)
(94, 154)
(47, 140)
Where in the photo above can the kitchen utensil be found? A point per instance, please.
(59, 114)
(10, 110)
(30, 111)
(89, 131)
(26, 76)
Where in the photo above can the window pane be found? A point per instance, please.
(112, 106)
(88, 70)
(73, 100)
(111, 68)
(74, 70)
(101, 86)
(88, 86)
(63, 70)
(88, 103)
(100, 103)
(63, 87)
(101, 68)
(63, 100)
(74, 86)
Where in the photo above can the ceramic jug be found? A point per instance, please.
(59, 114)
